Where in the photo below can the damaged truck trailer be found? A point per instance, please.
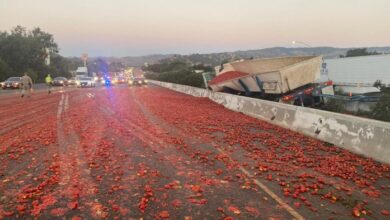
(285, 79)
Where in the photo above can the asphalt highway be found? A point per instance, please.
(147, 152)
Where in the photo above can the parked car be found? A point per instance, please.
(137, 81)
(60, 81)
(102, 80)
(12, 83)
(72, 81)
(85, 82)
(114, 80)
(121, 80)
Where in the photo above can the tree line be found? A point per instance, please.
(177, 71)
(359, 52)
(23, 50)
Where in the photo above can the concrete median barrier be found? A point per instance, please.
(198, 92)
(367, 137)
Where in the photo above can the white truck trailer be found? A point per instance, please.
(362, 71)
(82, 71)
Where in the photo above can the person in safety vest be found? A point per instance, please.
(49, 83)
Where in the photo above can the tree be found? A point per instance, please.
(177, 71)
(73, 63)
(203, 67)
(25, 51)
(359, 52)
(169, 66)
(98, 66)
(46, 40)
(115, 66)
(60, 66)
(378, 84)
(5, 70)
(382, 108)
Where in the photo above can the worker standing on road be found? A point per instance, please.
(49, 83)
(26, 85)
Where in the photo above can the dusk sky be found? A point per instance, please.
(141, 27)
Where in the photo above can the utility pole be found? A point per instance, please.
(84, 57)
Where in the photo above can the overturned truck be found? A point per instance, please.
(286, 79)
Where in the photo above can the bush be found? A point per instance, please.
(334, 105)
(183, 78)
(382, 108)
(176, 72)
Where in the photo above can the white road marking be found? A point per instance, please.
(279, 200)
(90, 95)
(66, 102)
(60, 106)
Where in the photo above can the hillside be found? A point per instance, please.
(214, 59)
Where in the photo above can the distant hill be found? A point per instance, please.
(214, 59)
(135, 61)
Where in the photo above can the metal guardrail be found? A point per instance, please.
(357, 84)
(361, 98)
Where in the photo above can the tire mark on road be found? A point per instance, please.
(75, 179)
(60, 105)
